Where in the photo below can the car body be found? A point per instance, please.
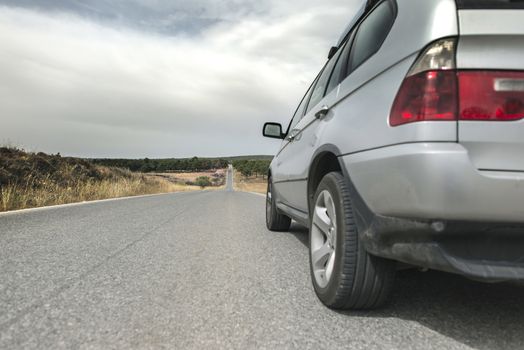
(421, 109)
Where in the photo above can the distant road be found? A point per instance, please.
(229, 181)
(200, 271)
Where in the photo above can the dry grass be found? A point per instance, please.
(250, 184)
(16, 196)
(188, 176)
(29, 180)
(191, 177)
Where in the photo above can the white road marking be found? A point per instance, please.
(23, 211)
(258, 194)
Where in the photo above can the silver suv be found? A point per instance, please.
(408, 149)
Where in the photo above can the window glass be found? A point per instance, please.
(338, 70)
(371, 34)
(322, 82)
(299, 113)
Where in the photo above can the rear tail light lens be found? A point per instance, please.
(435, 91)
(491, 95)
(429, 91)
(438, 56)
(426, 96)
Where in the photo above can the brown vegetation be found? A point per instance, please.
(37, 179)
(257, 184)
(217, 177)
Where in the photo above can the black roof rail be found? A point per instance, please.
(490, 4)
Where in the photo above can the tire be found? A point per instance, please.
(274, 220)
(344, 274)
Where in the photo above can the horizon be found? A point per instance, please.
(15, 147)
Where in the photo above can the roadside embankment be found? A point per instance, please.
(29, 180)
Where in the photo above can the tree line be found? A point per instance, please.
(252, 167)
(147, 165)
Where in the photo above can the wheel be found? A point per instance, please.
(344, 275)
(274, 220)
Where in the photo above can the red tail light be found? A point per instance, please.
(491, 95)
(434, 90)
(472, 95)
(426, 96)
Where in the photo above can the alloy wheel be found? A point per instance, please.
(323, 239)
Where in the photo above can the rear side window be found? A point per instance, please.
(299, 113)
(322, 82)
(490, 4)
(371, 33)
(339, 70)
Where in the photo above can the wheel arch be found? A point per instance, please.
(325, 160)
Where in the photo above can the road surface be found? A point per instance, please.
(200, 271)
(229, 178)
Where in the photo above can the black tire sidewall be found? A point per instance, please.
(329, 293)
(271, 216)
(275, 221)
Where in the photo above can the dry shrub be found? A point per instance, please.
(16, 196)
(249, 183)
(34, 180)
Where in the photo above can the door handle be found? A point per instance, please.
(293, 135)
(324, 110)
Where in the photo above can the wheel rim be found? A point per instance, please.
(323, 239)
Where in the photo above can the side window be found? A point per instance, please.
(299, 113)
(340, 67)
(371, 34)
(322, 82)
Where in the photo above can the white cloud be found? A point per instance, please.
(77, 87)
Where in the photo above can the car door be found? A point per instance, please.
(294, 159)
(280, 170)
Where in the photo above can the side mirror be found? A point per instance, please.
(332, 52)
(273, 130)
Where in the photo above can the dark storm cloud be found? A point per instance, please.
(161, 16)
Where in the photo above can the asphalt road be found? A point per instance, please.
(200, 270)
(229, 179)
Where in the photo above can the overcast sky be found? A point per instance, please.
(158, 78)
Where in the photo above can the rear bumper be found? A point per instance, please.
(483, 251)
(426, 205)
(434, 181)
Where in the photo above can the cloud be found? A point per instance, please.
(86, 88)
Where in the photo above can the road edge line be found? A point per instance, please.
(58, 206)
(258, 194)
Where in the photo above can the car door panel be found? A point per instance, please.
(296, 159)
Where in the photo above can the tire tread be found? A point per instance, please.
(277, 222)
(365, 281)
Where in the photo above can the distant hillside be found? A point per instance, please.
(17, 166)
